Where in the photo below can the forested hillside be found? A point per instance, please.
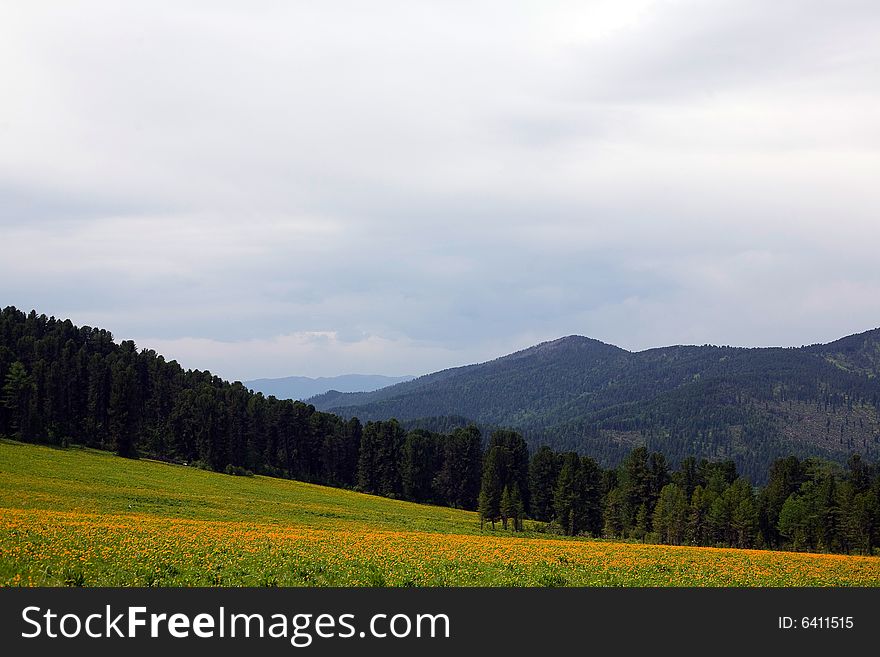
(63, 384)
(750, 405)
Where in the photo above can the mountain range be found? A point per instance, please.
(748, 404)
(64, 384)
(303, 387)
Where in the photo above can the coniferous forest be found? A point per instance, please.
(751, 405)
(65, 385)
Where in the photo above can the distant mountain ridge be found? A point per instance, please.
(480, 376)
(749, 404)
(303, 387)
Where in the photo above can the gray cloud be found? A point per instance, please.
(289, 188)
(683, 50)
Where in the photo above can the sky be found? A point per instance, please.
(267, 189)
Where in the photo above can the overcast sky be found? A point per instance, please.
(318, 188)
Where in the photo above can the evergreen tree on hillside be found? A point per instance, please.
(544, 470)
(743, 514)
(635, 486)
(671, 515)
(828, 507)
(505, 507)
(18, 393)
(687, 476)
(517, 508)
(794, 523)
(459, 478)
(122, 412)
(614, 514)
(491, 487)
(577, 496)
(591, 495)
(698, 516)
(516, 461)
(785, 477)
(658, 477)
(379, 463)
(568, 496)
(420, 461)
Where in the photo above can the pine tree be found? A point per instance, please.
(543, 472)
(635, 485)
(698, 516)
(718, 520)
(670, 515)
(744, 523)
(613, 515)
(829, 513)
(506, 508)
(643, 523)
(459, 477)
(568, 496)
(591, 495)
(489, 503)
(516, 460)
(420, 461)
(18, 392)
(517, 508)
(793, 522)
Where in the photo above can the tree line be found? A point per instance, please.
(750, 405)
(809, 504)
(63, 384)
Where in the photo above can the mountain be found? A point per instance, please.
(303, 387)
(538, 379)
(64, 384)
(749, 404)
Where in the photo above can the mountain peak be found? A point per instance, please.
(568, 343)
(583, 340)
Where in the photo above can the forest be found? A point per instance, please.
(67, 385)
(752, 405)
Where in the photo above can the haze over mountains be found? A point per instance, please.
(303, 387)
(749, 404)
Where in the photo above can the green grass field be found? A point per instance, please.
(82, 517)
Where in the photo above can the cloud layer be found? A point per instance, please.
(269, 189)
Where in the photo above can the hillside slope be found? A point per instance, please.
(750, 404)
(80, 517)
(81, 480)
(65, 384)
(542, 378)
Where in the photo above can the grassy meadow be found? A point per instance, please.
(79, 517)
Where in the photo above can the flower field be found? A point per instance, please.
(83, 518)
